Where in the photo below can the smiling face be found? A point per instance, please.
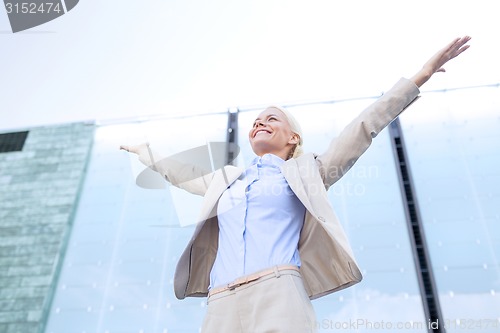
(272, 134)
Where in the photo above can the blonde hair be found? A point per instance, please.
(295, 127)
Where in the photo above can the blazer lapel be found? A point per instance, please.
(290, 170)
(223, 178)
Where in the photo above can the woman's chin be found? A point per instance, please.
(261, 145)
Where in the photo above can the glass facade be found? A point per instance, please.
(118, 271)
(453, 143)
(126, 239)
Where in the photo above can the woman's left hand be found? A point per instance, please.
(436, 63)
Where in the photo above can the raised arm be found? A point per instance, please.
(175, 169)
(353, 141)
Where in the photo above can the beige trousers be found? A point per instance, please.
(276, 303)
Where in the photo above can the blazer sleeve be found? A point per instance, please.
(353, 141)
(188, 176)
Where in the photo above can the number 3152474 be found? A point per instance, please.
(33, 8)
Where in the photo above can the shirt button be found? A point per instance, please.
(321, 218)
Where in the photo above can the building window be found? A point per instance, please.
(12, 141)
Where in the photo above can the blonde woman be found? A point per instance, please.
(268, 240)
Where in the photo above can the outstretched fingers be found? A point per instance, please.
(458, 46)
(123, 147)
(136, 149)
(436, 63)
(452, 50)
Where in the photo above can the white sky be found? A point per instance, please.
(118, 58)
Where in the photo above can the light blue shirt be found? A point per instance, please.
(260, 219)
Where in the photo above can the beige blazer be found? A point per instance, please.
(328, 264)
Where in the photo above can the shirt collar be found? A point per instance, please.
(268, 159)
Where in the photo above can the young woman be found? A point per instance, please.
(268, 240)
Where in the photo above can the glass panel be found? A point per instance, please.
(368, 203)
(118, 271)
(453, 142)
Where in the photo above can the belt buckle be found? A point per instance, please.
(233, 285)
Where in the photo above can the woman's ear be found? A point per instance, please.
(294, 139)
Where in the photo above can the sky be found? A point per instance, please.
(115, 60)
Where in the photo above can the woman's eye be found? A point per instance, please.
(272, 118)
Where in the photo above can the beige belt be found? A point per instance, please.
(250, 278)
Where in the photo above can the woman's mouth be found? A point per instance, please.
(260, 132)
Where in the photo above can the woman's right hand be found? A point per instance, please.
(134, 149)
